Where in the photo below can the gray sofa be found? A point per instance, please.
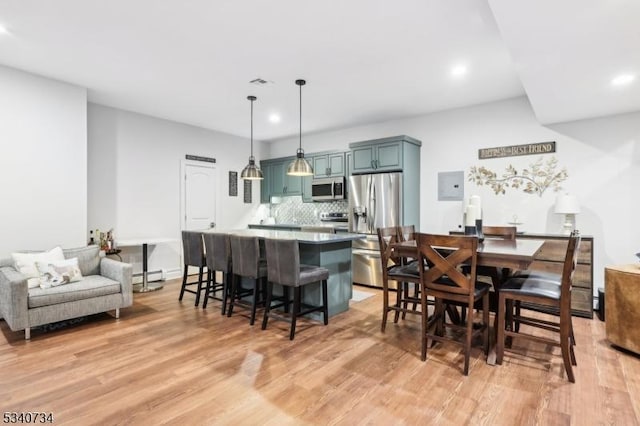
(106, 285)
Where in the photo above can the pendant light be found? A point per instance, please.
(300, 166)
(251, 171)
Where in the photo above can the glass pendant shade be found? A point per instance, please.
(300, 166)
(251, 171)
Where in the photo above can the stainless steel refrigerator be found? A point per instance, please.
(375, 201)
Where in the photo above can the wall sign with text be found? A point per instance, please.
(516, 150)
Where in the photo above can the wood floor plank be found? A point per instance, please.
(168, 362)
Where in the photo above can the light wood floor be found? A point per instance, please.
(167, 362)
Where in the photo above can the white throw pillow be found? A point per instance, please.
(58, 272)
(25, 263)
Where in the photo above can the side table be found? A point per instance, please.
(622, 316)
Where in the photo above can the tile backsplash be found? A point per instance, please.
(293, 210)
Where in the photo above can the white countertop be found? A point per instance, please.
(303, 237)
(141, 241)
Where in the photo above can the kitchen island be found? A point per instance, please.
(331, 251)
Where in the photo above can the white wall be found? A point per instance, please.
(43, 165)
(602, 157)
(134, 178)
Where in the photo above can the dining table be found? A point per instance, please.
(509, 254)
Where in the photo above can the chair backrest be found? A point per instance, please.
(406, 233)
(283, 261)
(245, 255)
(445, 254)
(386, 237)
(192, 248)
(504, 232)
(217, 251)
(570, 262)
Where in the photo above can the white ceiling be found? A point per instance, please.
(364, 60)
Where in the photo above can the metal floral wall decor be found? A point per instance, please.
(536, 179)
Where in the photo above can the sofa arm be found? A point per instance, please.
(14, 297)
(121, 272)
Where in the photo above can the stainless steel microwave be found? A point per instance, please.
(328, 189)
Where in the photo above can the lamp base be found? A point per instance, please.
(569, 223)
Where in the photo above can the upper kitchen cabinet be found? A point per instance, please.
(383, 155)
(329, 165)
(276, 180)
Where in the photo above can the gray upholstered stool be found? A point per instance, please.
(284, 268)
(218, 256)
(193, 255)
(245, 257)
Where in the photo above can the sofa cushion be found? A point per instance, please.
(88, 259)
(58, 272)
(89, 287)
(25, 263)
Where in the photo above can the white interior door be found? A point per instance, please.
(199, 196)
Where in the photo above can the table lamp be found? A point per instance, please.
(568, 206)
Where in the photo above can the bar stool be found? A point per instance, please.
(284, 268)
(193, 255)
(218, 255)
(245, 258)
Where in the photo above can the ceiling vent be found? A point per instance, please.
(260, 82)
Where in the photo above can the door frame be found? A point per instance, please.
(183, 173)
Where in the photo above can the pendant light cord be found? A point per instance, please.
(300, 138)
(251, 127)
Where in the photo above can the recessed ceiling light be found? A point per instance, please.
(622, 79)
(458, 70)
(274, 118)
(3, 29)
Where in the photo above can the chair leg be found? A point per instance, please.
(267, 305)
(424, 323)
(296, 312)
(399, 296)
(287, 300)
(254, 303)
(485, 320)
(467, 342)
(565, 346)
(200, 273)
(234, 292)
(325, 302)
(385, 305)
(502, 310)
(208, 287)
(225, 291)
(405, 303)
(184, 282)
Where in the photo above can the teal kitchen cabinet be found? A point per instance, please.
(382, 155)
(329, 165)
(276, 182)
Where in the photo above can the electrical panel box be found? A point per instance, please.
(451, 186)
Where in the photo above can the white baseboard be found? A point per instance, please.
(158, 275)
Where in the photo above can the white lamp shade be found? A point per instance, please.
(567, 204)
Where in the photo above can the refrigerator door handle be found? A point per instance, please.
(371, 212)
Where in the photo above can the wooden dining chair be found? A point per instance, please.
(445, 254)
(408, 233)
(540, 290)
(393, 269)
